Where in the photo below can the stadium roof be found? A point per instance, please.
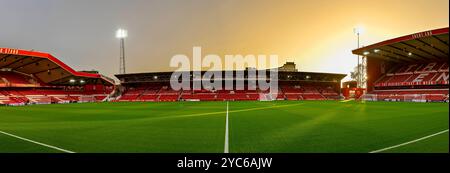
(423, 46)
(45, 67)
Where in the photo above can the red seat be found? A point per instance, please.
(415, 74)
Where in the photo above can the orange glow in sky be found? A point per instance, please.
(316, 34)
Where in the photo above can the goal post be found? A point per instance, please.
(86, 99)
(370, 97)
(414, 98)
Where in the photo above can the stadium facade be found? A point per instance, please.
(410, 68)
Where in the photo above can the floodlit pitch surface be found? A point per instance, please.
(199, 127)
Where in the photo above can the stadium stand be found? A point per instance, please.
(29, 77)
(433, 73)
(293, 85)
(409, 68)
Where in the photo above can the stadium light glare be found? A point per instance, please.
(121, 33)
(410, 54)
(82, 81)
(72, 80)
(358, 30)
(376, 50)
(366, 53)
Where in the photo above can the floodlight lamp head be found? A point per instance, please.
(358, 30)
(121, 33)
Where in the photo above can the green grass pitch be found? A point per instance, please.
(199, 127)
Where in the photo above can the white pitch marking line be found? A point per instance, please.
(226, 150)
(35, 142)
(410, 142)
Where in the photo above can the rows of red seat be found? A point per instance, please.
(415, 74)
(200, 95)
(12, 100)
(307, 93)
(402, 83)
(160, 92)
(141, 93)
(18, 89)
(19, 96)
(167, 94)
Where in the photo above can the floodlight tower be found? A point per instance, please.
(358, 30)
(122, 34)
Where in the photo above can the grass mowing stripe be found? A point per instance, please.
(35, 142)
(410, 142)
(262, 108)
(224, 112)
(226, 150)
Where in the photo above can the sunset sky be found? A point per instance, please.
(316, 34)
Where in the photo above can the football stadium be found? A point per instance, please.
(48, 107)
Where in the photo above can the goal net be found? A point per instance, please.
(267, 97)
